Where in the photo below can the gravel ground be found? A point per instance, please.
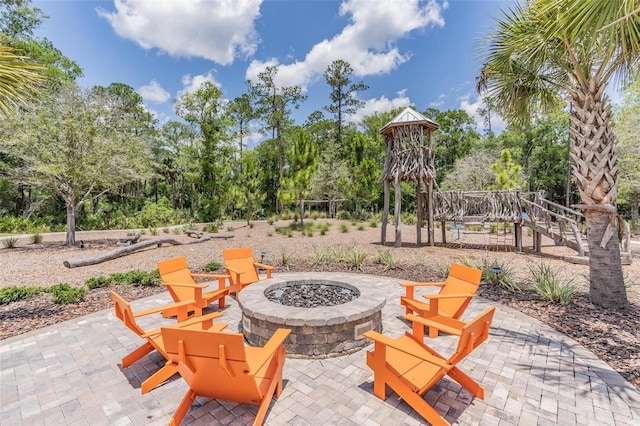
(613, 336)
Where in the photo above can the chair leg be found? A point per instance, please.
(159, 377)
(466, 382)
(183, 408)
(137, 354)
(416, 402)
(433, 332)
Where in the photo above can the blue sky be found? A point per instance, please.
(409, 52)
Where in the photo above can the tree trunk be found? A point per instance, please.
(605, 269)
(71, 222)
(594, 167)
(635, 204)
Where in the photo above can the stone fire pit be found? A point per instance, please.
(355, 301)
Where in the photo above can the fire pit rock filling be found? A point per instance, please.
(326, 312)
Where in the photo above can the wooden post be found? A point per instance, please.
(397, 210)
(419, 216)
(432, 238)
(518, 224)
(443, 225)
(385, 214)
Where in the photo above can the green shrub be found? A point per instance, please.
(64, 294)
(212, 266)
(550, 287)
(408, 218)
(373, 223)
(97, 282)
(360, 227)
(344, 228)
(155, 214)
(343, 215)
(36, 238)
(136, 277)
(153, 231)
(15, 293)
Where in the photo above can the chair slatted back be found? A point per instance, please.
(124, 313)
(214, 364)
(241, 259)
(461, 280)
(473, 334)
(176, 270)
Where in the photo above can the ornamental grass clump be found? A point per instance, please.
(550, 287)
(500, 275)
(385, 258)
(355, 258)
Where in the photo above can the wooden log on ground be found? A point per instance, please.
(123, 251)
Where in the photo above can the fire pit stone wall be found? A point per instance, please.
(317, 332)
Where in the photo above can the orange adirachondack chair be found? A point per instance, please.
(241, 267)
(153, 338)
(181, 283)
(452, 300)
(411, 368)
(218, 365)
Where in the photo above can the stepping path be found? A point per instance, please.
(69, 373)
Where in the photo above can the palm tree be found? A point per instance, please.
(546, 49)
(19, 79)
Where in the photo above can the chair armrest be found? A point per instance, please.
(448, 296)
(379, 338)
(197, 320)
(188, 323)
(434, 284)
(262, 265)
(186, 285)
(429, 322)
(269, 349)
(163, 308)
(235, 271)
(210, 275)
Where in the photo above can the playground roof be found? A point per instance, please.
(407, 117)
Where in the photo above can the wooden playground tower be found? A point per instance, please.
(409, 159)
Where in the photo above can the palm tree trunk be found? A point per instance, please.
(596, 172)
(605, 268)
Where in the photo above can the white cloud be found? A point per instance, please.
(378, 105)
(193, 83)
(439, 102)
(497, 123)
(153, 92)
(217, 30)
(367, 43)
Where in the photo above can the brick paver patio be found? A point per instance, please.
(70, 374)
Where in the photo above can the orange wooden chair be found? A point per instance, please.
(452, 300)
(242, 269)
(182, 285)
(411, 368)
(153, 338)
(219, 366)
